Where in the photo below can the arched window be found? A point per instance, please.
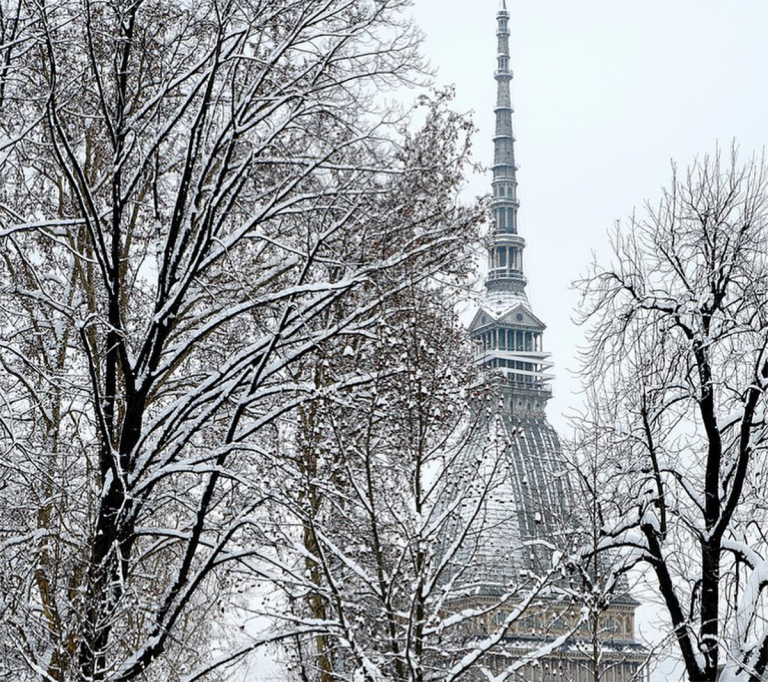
(511, 218)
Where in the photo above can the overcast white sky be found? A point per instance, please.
(606, 94)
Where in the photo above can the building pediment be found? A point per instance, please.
(482, 318)
(517, 314)
(521, 314)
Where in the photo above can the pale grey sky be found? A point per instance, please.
(606, 93)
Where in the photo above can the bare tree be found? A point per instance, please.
(190, 194)
(677, 359)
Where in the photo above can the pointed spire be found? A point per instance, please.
(505, 278)
(508, 336)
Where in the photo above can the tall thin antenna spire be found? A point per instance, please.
(505, 272)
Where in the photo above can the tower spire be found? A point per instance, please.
(508, 336)
(505, 271)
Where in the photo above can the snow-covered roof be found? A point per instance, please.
(524, 501)
(488, 314)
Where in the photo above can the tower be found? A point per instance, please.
(529, 505)
(509, 349)
(508, 336)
